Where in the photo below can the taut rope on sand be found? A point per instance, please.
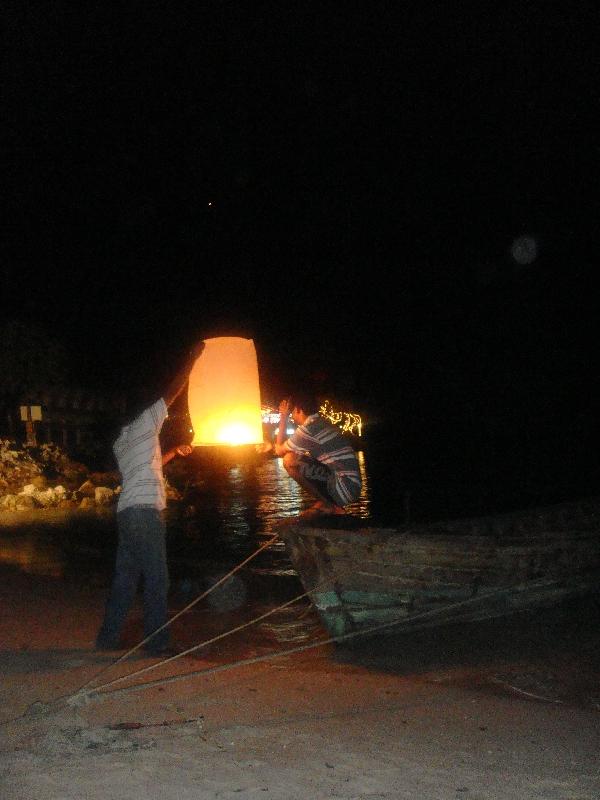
(176, 616)
(40, 709)
(82, 696)
(85, 694)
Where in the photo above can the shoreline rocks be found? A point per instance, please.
(44, 477)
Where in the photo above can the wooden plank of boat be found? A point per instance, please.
(362, 578)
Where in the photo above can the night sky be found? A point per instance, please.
(342, 185)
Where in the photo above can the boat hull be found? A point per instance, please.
(377, 579)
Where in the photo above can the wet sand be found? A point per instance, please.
(509, 709)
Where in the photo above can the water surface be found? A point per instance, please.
(231, 502)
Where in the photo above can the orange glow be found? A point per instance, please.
(224, 394)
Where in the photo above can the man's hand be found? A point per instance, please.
(180, 450)
(264, 447)
(285, 408)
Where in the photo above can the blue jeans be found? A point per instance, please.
(141, 553)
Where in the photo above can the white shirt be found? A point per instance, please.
(139, 458)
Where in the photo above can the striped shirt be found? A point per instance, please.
(322, 441)
(139, 459)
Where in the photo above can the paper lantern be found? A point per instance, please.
(224, 394)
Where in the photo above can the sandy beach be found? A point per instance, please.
(506, 710)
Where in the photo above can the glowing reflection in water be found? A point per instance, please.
(33, 555)
(362, 508)
(284, 497)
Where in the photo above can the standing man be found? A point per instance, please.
(317, 457)
(141, 551)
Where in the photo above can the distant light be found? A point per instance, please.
(270, 417)
(524, 249)
(348, 421)
(210, 204)
(289, 431)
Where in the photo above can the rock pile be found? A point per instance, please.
(44, 477)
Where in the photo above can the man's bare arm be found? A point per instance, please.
(180, 380)
(180, 450)
(284, 412)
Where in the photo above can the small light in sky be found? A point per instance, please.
(210, 203)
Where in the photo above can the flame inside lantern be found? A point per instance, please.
(224, 394)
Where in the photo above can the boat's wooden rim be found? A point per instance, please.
(578, 516)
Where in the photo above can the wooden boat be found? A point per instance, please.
(379, 579)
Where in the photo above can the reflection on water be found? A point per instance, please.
(361, 508)
(32, 554)
(227, 511)
(259, 496)
(57, 543)
(232, 501)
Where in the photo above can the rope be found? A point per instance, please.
(36, 707)
(207, 642)
(230, 632)
(407, 622)
(176, 616)
(203, 644)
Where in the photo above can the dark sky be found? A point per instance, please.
(342, 185)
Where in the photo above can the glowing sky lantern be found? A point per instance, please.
(224, 394)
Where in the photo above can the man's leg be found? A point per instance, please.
(312, 476)
(156, 580)
(124, 585)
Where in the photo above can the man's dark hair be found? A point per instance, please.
(138, 400)
(305, 402)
